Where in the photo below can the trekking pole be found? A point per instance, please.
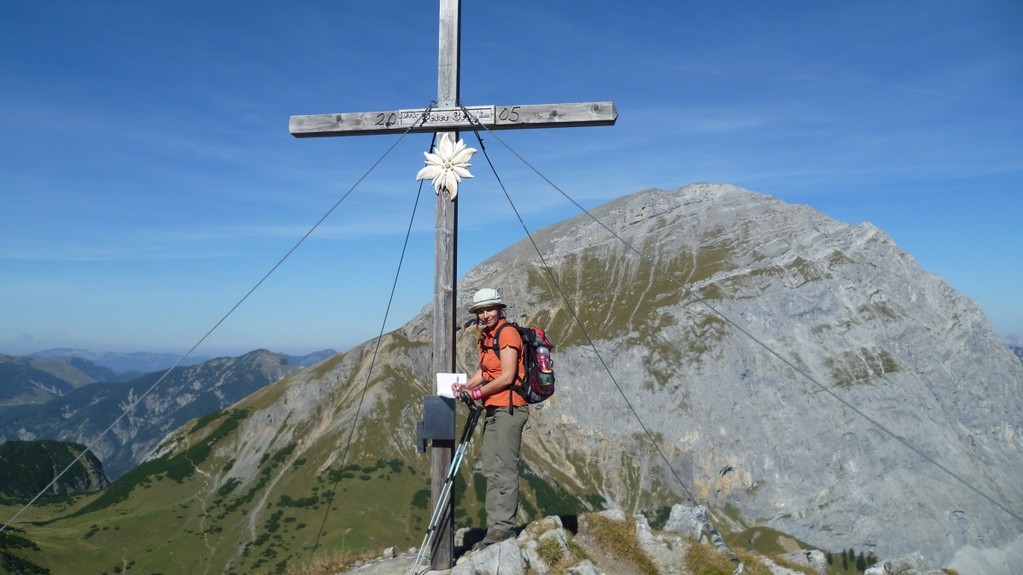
(449, 481)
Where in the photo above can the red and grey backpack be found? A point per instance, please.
(538, 383)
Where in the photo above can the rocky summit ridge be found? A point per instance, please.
(612, 543)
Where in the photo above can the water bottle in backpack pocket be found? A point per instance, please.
(545, 366)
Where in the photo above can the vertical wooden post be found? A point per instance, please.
(445, 246)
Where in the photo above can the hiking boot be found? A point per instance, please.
(493, 537)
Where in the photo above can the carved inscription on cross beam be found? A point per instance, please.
(447, 118)
(453, 119)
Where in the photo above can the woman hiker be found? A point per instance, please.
(506, 413)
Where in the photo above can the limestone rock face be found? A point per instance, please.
(805, 371)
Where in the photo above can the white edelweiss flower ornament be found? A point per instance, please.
(447, 165)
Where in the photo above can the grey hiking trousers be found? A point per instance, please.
(502, 440)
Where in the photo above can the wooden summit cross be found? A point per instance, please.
(445, 120)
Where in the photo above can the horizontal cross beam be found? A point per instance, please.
(452, 119)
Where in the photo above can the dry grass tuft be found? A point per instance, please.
(705, 559)
(619, 539)
(337, 562)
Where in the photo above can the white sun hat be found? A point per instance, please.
(484, 298)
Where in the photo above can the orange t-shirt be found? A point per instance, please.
(490, 364)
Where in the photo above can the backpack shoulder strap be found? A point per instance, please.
(515, 385)
(497, 335)
(497, 348)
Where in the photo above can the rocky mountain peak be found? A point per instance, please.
(834, 378)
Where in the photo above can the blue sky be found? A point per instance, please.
(148, 179)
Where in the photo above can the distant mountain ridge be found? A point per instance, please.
(79, 371)
(1018, 350)
(38, 378)
(309, 359)
(140, 362)
(137, 362)
(81, 415)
